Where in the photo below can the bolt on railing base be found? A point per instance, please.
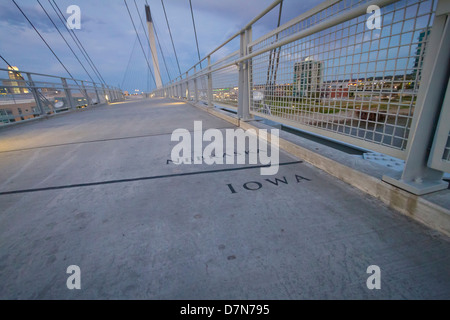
(418, 188)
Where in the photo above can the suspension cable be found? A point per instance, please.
(129, 62)
(162, 53)
(274, 54)
(195, 32)
(171, 38)
(5, 61)
(57, 29)
(171, 65)
(279, 49)
(42, 38)
(78, 43)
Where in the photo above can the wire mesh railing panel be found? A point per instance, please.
(184, 90)
(25, 96)
(225, 82)
(191, 89)
(79, 99)
(103, 95)
(225, 86)
(202, 88)
(93, 96)
(349, 80)
(17, 102)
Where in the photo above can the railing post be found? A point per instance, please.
(417, 177)
(105, 93)
(111, 98)
(85, 93)
(210, 84)
(113, 94)
(188, 95)
(68, 93)
(195, 85)
(96, 93)
(35, 92)
(244, 97)
(247, 73)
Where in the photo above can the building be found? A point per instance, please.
(336, 91)
(16, 112)
(17, 103)
(15, 79)
(307, 78)
(420, 53)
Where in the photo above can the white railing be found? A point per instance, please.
(28, 95)
(329, 72)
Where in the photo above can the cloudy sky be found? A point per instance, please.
(109, 37)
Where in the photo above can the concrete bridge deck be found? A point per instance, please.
(94, 189)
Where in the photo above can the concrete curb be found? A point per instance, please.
(416, 207)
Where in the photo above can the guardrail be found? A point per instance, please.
(330, 72)
(28, 95)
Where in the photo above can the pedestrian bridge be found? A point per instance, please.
(95, 188)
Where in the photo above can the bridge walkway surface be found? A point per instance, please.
(95, 189)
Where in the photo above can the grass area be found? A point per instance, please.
(328, 106)
(232, 103)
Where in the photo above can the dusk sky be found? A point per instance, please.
(108, 35)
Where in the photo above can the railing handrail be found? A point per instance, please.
(347, 15)
(43, 83)
(319, 8)
(252, 22)
(51, 76)
(344, 16)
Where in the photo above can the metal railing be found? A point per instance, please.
(28, 95)
(328, 72)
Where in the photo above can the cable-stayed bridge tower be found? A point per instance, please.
(151, 35)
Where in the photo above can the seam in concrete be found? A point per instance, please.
(416, 207)
(99, 183)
